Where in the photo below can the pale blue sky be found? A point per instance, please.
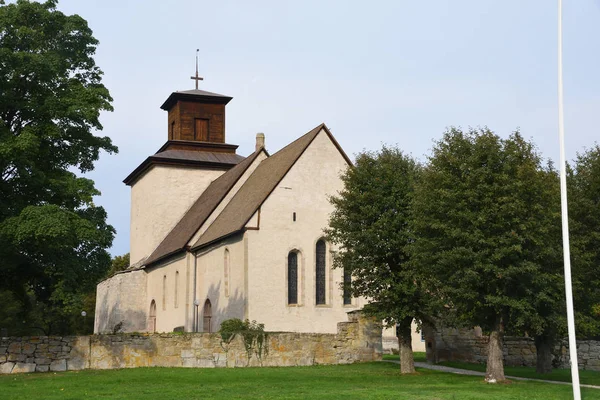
(395, 72)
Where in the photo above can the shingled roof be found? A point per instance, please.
(198, 213)
(258, 187)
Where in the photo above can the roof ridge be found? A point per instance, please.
(265, 179)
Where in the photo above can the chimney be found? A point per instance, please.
(260, 141)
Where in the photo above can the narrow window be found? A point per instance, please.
(347, 283)
(164, 293)
(294, 216)
(320, 272)
(201, 130)
(172, 133)
(293, 278)
(152, 317)
(207, 311)
(176, 289)
(226, 273)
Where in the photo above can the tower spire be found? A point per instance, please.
(197, 78)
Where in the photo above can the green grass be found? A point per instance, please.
(560, 375)
(357, 381)
(418, 356)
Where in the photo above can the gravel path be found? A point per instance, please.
(459, 371)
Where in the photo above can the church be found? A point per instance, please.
(216, 235)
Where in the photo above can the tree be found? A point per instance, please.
(53, 239)
(481, 226)
(119, 263)
(584, 215)
(547, 323)
(370, 227)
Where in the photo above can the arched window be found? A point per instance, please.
(292, 277)
(164, 293)
(320, 273)
(152, 317)
(176, 289)
(347, 283)
(226, 273)
(207, 314)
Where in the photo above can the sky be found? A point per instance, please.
(377, 72)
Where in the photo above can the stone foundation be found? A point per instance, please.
(470, 345)
(357, 340)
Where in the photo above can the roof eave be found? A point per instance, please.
(148, 162)
(206, 99)
(195, 248)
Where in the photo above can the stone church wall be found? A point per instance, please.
(470, 345)
(121, 299)
(357, 340)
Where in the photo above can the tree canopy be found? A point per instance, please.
(482, 220)
(53, 238)
(370, 227)
(584, 216)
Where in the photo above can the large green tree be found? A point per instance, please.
(370, 227)
(481, 229)
(53, 239)
(584, 215)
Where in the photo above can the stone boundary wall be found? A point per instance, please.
(470, 345)
(358, 340)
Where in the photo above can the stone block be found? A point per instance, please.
(14, 347)
(42, 368)
(58, 365)
(23, 367)
(6, 368)
(77, 363)
(54, 348)
(28, 348)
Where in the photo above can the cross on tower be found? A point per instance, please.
(197, 78)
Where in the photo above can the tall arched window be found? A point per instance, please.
(164, 293)
(347, 283)
(176, 289)
(320, 273)
(152, 317)
(207, 314)
(226, 273)
(292, 277)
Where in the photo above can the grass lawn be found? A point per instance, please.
(561, 375)
(357, 381)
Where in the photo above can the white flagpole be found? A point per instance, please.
(565, 219)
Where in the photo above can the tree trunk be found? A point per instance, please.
(543, 347)
(495, 364)
(404, 334)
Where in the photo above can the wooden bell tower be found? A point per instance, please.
(196, 116)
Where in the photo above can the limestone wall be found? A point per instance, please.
(470, 345)
(43, 353)
(357, 340)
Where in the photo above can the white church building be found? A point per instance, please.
(216, 235)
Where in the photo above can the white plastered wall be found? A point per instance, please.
(304, 190)
(172, 303)
(158, 201)
(211, 282)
